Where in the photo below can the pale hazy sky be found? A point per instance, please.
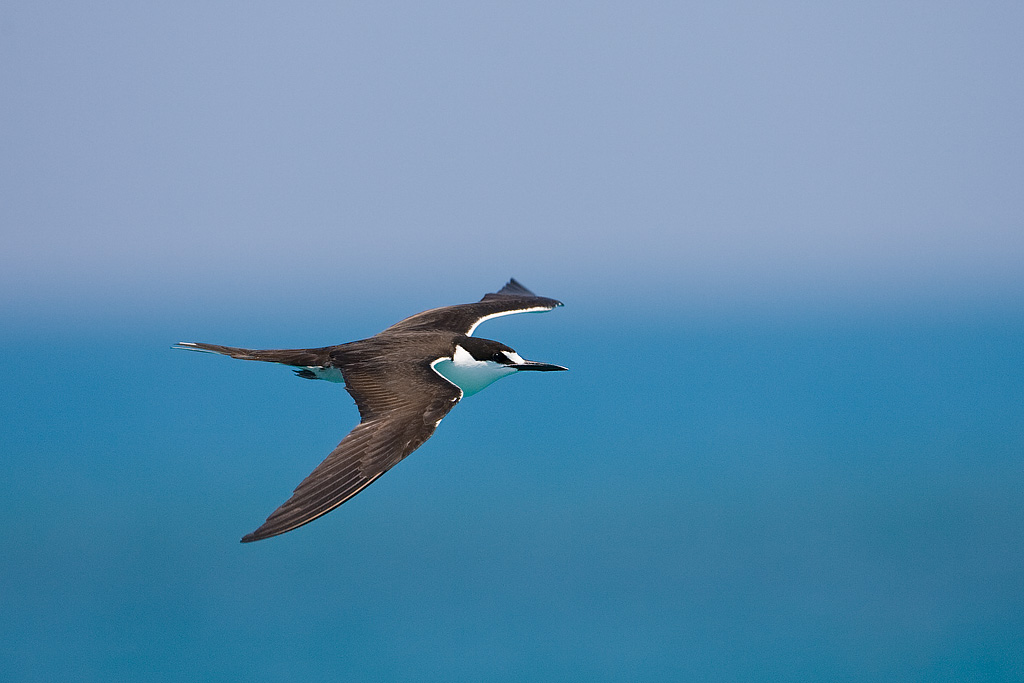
(729, 149)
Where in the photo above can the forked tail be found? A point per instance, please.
(299, 358)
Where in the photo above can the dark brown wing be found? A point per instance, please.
(463, 318)
(399, 412)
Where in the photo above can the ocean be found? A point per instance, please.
(829, 496)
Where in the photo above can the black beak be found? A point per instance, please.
(531, 365)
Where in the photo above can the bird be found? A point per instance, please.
(404, 380)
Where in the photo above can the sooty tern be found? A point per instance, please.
(404, 381)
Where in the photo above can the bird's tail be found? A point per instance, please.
(301, 358)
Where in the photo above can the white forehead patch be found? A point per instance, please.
(514, 357)
(463, 357)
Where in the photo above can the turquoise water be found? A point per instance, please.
(820, 498)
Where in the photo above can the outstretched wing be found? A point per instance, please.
(399, 413)
(463, 318)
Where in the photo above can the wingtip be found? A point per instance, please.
(261, 534)
(255, 536)
(514, 288)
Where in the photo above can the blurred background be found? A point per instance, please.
(789, 239)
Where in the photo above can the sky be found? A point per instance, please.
(690, 154)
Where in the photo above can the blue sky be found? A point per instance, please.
(721, 152)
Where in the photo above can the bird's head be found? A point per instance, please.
(497, 354)
(476, 363)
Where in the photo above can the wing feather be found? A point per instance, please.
(399, 413)
(463, 318)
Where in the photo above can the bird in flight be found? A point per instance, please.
(404, 380)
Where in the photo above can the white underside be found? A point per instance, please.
(329, 374)
(467, 373)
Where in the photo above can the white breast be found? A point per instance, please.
(469, 374)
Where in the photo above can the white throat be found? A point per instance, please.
(469, 374)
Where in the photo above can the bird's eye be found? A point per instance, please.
(499, 357)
